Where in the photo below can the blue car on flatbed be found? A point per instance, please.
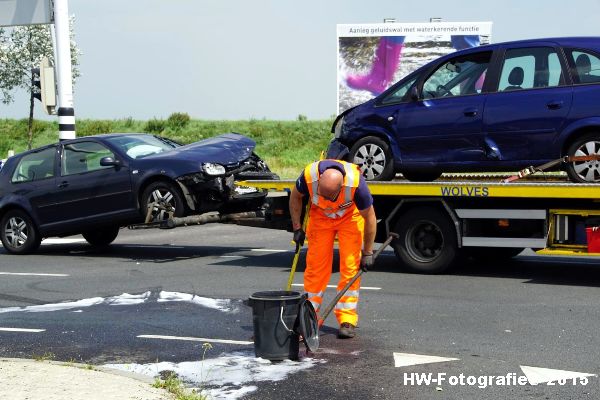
(95, 185)
(500, 107)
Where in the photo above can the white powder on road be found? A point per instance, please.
(217, 304)
(230, 376)
(127, 299)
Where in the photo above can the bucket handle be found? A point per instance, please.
(283, 322)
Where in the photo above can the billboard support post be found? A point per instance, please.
(66, 111)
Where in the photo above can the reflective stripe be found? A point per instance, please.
(314, 176)
(317, 294)
(315, 305)
(351, 293)
(349, 182)
(346, 306)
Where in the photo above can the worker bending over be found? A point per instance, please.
(341, 204)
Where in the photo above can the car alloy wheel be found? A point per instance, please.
(374, 158)
(166, 199)
(18, 233)
(164, 202)
(587, 171)
(371, 160)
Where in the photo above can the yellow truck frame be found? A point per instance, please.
(440, 222)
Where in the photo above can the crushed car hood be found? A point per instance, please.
(225, 149)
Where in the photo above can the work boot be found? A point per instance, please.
(346, 331)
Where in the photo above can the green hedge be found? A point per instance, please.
(287, 146)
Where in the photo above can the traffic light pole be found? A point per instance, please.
(66, 111)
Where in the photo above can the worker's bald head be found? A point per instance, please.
(330, 183)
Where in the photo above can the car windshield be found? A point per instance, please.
(139, 146)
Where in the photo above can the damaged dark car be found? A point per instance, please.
(95, 185)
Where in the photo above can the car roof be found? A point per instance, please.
(591, 42)
(101, 136)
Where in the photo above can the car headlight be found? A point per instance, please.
(213, 169)
(337, 132)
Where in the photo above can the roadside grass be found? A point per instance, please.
(172, 384)
(175, 386)
(286, 146)
(47, 356)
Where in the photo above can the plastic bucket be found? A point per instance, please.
(274, 315)
(593, 239)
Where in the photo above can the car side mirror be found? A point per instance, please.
(109, 162)
(414, 94)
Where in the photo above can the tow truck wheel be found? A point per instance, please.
(584, 171)
(427, 241)
(18, 233)
(374, 158)
(101, 237)
(166, 196)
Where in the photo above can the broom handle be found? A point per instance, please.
(337, 298)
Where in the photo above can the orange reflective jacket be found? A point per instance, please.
(338, 208)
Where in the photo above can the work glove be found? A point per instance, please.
(366, 262)
(299, 237)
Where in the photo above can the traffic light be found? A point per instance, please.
(37, 84)
(45, 86)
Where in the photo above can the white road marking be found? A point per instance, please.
(62, 241)
(232, 256)
(195, 339)
(30, 274)
(22, 330)
(334, 286)
(536, 375)
(406, 359)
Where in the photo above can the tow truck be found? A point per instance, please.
(469, 215)
(459, 216)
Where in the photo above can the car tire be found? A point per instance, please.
(101, 237)
(374, 158)
(585, 171)
(18, 233)
(427, 241)
(422, 176)
(166, 193)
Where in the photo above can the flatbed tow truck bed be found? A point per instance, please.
(471, 215)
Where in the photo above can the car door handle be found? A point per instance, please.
(63, 184)
(554, 105)
(470, 112)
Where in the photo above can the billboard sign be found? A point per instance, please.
(24, 12)
(372, 57)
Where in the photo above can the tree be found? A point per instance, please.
(22, 49)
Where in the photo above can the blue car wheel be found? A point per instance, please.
(585, 171)
(374, 158)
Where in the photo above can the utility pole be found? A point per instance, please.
(66, 111)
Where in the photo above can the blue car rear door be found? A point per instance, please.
(445, 124)
(524, 116)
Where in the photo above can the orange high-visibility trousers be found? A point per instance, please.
(321, 232)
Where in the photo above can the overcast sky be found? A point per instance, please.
(240, 59)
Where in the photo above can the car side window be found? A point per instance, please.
(35, 166)
(400, 94)
(83, 157)
(530, 68)
(585, 66)
(458, 77)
